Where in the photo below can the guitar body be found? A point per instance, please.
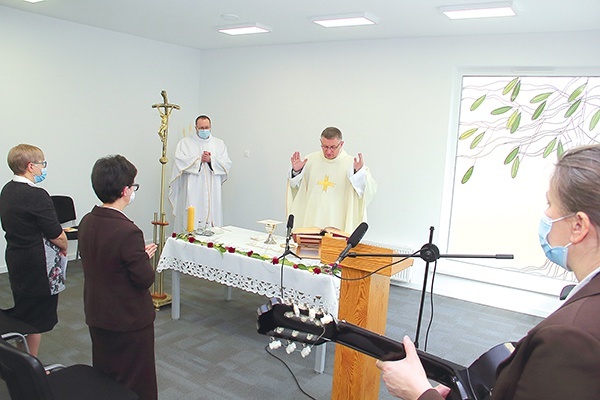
(280, 320)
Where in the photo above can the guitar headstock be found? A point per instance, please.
(288, 321)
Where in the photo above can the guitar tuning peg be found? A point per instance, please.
(312, 313)
(326, 319)
(290, 348)
(275, 344)
(296, 310)
(305, 351)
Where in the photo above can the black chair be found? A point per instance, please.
(65, 211)
(15, 330)
(26, 379)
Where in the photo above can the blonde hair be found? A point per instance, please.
(21, 155)
(576, 180)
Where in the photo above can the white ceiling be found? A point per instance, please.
(193, 23)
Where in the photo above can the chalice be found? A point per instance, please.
(270, 226)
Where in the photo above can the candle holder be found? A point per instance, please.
(270, 226)
(204, 229)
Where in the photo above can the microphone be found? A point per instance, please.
(290, 225)
(353, 240)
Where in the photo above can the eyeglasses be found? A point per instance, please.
(44, 163)
(135, 187)
(331, 147)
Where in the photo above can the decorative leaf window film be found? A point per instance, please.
(511, 131)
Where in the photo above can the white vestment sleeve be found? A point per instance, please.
(221, 163)
(296, 180)
(358, 180)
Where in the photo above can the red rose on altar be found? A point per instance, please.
(191, 239)
(231, 249)
(250, 253)
(317, 270)
(210, 245)
(275, 260)
(173, 235)
(295, 266)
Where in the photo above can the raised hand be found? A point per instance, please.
(358, 162)
(297, 162)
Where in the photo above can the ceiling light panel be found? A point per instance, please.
(485, 10)
(336, 21)
(246, 29)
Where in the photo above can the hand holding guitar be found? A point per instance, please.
(406, 378)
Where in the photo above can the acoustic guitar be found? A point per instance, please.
(295, 324)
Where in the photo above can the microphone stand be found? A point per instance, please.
(430, 253)
(286, 252)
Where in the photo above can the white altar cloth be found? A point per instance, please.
(247, 273)
(250, 274)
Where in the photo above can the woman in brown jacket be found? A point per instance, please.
(117, 272)
(559, 358)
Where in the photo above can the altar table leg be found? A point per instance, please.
(176, 300)
(320, 358)
(228, 293)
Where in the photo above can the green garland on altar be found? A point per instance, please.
(315, 269)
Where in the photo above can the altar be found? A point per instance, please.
(239, 258)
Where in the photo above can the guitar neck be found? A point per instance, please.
(289, 322)
(383, 348)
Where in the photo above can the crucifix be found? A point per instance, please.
(159, 297)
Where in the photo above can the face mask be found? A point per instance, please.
(132, 197)
(203, 133)
(558, 254)
(39, 178)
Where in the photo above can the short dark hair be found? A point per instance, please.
(331, 133)
(110, 175)
(202, 117)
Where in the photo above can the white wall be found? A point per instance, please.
(395, 101)
(81, 93)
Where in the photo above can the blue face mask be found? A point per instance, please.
(39, 178)
(203, 133)
(558, 254)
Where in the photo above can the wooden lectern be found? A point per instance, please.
(363, 302)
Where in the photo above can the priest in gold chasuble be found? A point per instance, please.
(329, 188)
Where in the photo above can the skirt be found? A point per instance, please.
(127, 357)
(38, 311)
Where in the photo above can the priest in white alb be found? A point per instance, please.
(201, 167)
(329, 188)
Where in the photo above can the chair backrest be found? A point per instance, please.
(65, 208)
(24, 374)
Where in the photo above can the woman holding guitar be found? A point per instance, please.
(559, 358)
